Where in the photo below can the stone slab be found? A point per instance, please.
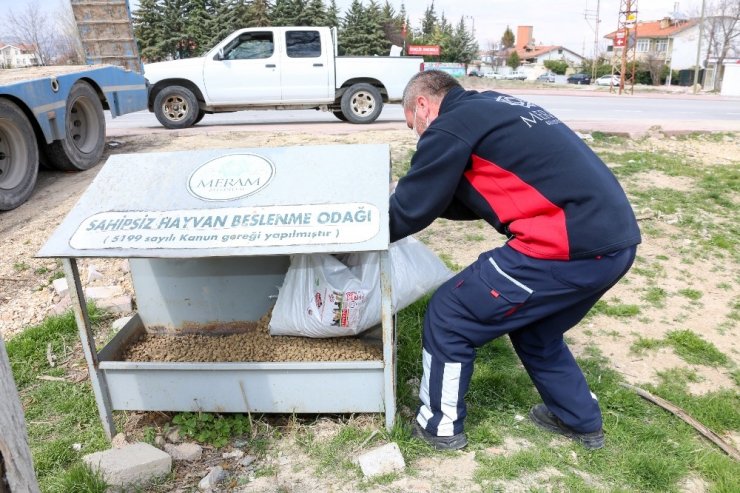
(382, 460)
(129, 465)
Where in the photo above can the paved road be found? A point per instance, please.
(591, 111)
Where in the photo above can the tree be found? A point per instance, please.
(33, 27)
(199, 21)
(556, 66)
(350, 35)
(513, 61)
(653, 64)
(508, 40)
(70, 46)
(722, 31)
(147, 20)
(429, 22)
(283, 13)
(259, 13)
(315, 13)
(332, 15)
(460, 46)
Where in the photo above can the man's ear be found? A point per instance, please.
(422, 103)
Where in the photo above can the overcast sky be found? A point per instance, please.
(555, 22)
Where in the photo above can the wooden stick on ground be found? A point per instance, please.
(706, 432)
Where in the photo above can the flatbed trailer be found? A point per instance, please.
(53, 115)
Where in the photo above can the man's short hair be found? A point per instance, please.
(432, 83)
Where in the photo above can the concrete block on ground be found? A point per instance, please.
(132, 464)
(102, 292)
(184, 451)
(119, 304)
(120, 323)
(60, 286)
(211, 480)
(93, 274)
(382, 460)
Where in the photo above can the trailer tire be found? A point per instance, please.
(84, 133)
(19, 156)
(362, 103)
(176, 107)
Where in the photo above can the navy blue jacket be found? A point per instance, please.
(495, 157)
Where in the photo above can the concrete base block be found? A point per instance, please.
(132, 464)
(119, 304)
(382, 460)
(102, 292)
(60, 286)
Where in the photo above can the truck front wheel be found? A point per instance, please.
(362, 103)
(19, 156)
(176, 107)
(84, 133)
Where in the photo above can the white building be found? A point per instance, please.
(17, 56)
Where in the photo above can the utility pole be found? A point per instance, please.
(626, 38)
(698, 48)
(594, 15)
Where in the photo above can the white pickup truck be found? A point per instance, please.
(277, 68)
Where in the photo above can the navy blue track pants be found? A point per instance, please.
(534, 301)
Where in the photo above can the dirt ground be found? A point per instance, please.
(26, 296)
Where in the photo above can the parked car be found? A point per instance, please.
(475, 73)
(607, 80)
(579, 79)
(515, 76)
(493, 75)
(546, 77)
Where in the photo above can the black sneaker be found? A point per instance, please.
(455, 442)
(542, 417)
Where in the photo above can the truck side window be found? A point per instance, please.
(303, 44)
(250, 46)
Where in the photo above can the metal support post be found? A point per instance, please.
(97, 379)
(389, 340)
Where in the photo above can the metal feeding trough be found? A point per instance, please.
(209, 235)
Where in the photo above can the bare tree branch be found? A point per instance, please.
(722, 33)
(32, 26)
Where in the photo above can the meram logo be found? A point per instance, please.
(231, 177)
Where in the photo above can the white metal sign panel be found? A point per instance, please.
(229, 227)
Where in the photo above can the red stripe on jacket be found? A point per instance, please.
(537, 224)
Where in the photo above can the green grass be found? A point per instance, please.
(647, 448)
(643, 344)
(58, 414)
(693, 349)
(687, 345)
(656, 296)
(615, 309)
(700, 212)
(691, 294)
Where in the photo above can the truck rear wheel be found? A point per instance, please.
(340, 115)
(176, 107)
(362, 103)
(19, 156)
(84, 139)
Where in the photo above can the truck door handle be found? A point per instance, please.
(318, 64)
(270, 65)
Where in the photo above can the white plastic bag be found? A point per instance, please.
(328, 296)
